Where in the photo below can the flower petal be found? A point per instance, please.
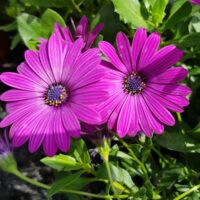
(86, 114)
(173, 89)
(70, 122)
(150, 47)
(33, 61)
(94, 34)
(124, 119)
(124, 50)
(164, 58)
(137, 45)
(20, 81)
(142, 118)
(62, 137)
(172, 75)
(160, 112)
(17, 95)
(110, 53)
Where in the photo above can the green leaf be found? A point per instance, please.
(50, 17)
(63, 163)
(79, 150)
(130, 12)
(180, 10)
(63, 183)
(9, 27)
(30, 28)
(194, 25)
(118, 174)
(15, 41)
(189, 40)
(158, 11)
(174, 140)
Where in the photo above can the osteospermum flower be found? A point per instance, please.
(81, 31)
(195, 2)
(146, 86)
(54, 89)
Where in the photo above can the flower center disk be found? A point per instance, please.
(56, 95)
(134, 83)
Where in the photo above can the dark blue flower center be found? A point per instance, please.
(133, 83)
(56, 95)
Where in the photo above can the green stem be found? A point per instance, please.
(135, 158)
(196, 187)
(31, 181)
(160, 155)
(180, 122)
(44, 186)
(110, 176)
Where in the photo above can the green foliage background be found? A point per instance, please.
(162, 167)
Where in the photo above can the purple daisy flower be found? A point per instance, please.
(81, 31)
(54, 89)
(146, 86)
(195, 2)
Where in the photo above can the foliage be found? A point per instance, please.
(162, 167)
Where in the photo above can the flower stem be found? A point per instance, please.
(31, 181)
(135, 158)
(196, 187)
(44, 186)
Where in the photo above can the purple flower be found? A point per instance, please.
(146, 86)
(81, 31)
(5, 148)
(7, 160)
(55, 88)
(195, 2)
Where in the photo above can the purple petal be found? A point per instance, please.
(166, 102)
(91, 94)
(150, 47)
(110, 53)
(106, 108)
(172, 75)
(17, 114)
(181, 101)
(142, 118)
(49, 145)
(113, 118)
(20, 81)
(71, 56)
(17, 95)
(56, 56)
(63, 32)
(33, 61)
(94, 34)
(86, 114)
(62, 137)
(85, 64)
(41, 127)
(137, 45)
(173, 89)
(124, 119)
(70, 121)
(164, 58)
(162, 114)
(134, 118)
(44, 59)
(82, 28)
(90, 77)
(25, 70)
(124, 50)
(153, 122)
